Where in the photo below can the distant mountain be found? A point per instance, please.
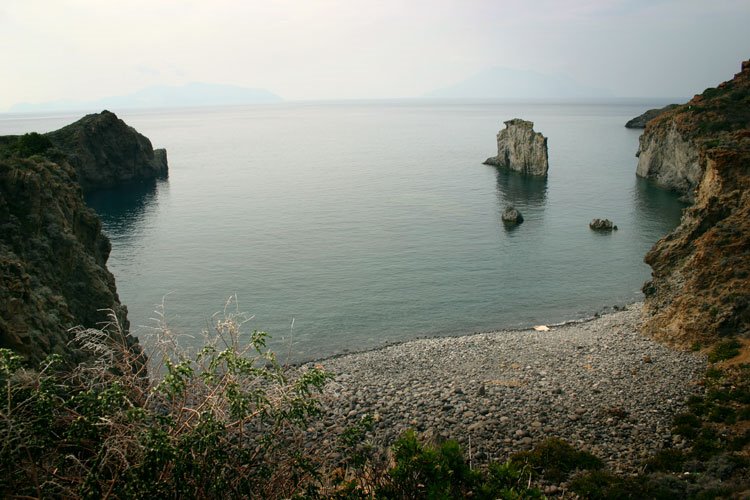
(504, 83)
(162, 96)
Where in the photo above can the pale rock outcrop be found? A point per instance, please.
(670, 159)
(521, 149)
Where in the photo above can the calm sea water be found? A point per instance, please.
(343, 226)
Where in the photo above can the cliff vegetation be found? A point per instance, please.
(700, 286)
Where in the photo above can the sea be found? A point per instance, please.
(344, 226)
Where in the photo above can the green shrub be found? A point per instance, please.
(725, 350)
(438, 472)
(554, 459)
(428, 472)
(225, 422)
(601, 485)
(32, 144)
(667, 460)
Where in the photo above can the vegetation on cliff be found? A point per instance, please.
(700, 286)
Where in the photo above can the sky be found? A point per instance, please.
(353, 49)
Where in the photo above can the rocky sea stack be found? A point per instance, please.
(53, 254)
(521, 149)
(700, 286)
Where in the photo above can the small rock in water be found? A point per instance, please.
(511, 216)
(602, 225)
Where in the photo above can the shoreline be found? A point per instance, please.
(603, 311)
(595, 382)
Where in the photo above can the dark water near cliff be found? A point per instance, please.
(362, 223)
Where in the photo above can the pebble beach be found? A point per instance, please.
(598, 384)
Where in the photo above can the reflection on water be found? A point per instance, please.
(124, 209)
(525, 192)
(655, 206)
(521, 191)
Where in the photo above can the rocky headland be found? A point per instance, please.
(700, 286)
(640, 121)
(521, 149)
(53, 254)
(106, 152)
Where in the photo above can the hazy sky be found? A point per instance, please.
(328, 49)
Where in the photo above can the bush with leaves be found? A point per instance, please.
(226, 421)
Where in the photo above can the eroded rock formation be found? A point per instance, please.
(520, 148)
(106, 152)
(700, 286)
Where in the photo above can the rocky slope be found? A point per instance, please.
(106, 152)
(640, 121)
(700, 286)
(53, 255)
(521, 149)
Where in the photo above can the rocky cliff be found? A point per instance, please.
(640, 121)
(106, 152)
(521, 149)
(700, 286)
(53, 256)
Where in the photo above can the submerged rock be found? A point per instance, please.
(521, 149)
(511, 216)
(106, 152)
(641, 120)
(602, 225)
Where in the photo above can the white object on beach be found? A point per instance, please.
(541, 328)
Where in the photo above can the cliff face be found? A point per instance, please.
(700, 286)
(53, 256)
(106, 152)
(521, 149)
(670, 158)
